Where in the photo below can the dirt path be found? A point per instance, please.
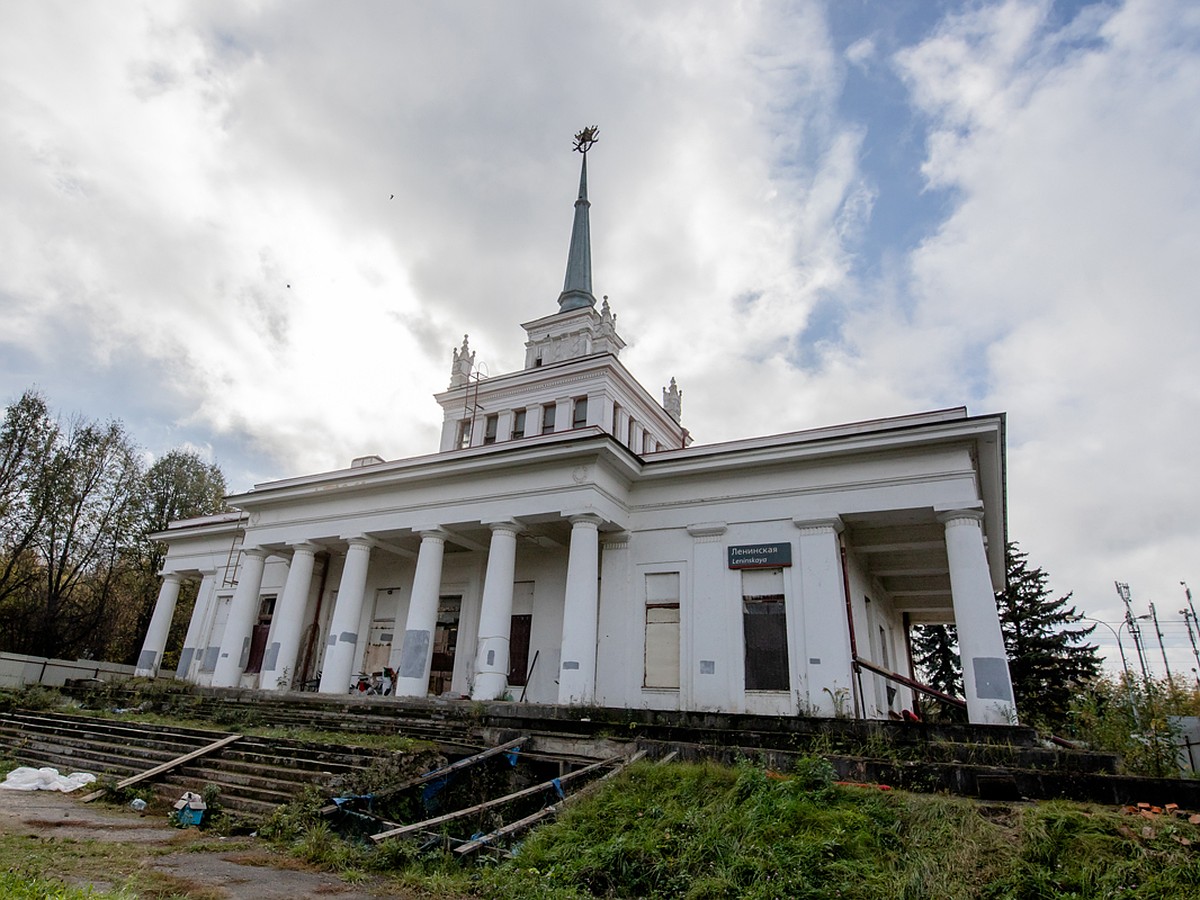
(244, 871)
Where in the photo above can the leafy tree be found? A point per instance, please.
(78, 571)
(87, 496)
(180, 485)
(27, 437)
(1049, 658)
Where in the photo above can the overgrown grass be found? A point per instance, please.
(50, 869)
(16, 886)
(700, 831)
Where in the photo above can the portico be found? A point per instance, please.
(569, 544)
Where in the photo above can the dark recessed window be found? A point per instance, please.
(518, 430)
(579, 416)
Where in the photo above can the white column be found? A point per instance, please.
(562, 418)
(621, 427)
(243, 610)
(342, 644)
(190, 655)
(635, 438)
(279, 660)
(449, 434)
(986, 679)
(577, 673)
(709, 664)
(823, 635)
(504, 424)
(495, 613)
(618, 677)
(600, 409)
(416, 653)
(160, 626)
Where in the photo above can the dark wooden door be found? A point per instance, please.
(518, 649)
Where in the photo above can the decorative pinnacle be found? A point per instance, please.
(585, 139)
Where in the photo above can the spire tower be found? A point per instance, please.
(577, 286)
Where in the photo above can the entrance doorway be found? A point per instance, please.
(258, 637)
(518, 649)
(445, 642)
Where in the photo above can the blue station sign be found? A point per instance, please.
(760, 556)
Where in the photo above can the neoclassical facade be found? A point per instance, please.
(569, 544)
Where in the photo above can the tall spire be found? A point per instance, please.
(577, 286)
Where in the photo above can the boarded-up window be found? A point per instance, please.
(662, 631)
(764, 624)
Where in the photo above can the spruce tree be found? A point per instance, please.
(935, 648)
(1048, 656)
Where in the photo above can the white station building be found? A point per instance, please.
(568, 544)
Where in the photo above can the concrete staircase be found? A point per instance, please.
(990, 762)
(253, 775)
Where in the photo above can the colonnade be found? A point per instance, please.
(577, 680)
(986, 676)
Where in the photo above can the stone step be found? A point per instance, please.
(252, 780)
(964, 779)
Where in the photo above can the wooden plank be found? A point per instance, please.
(437, 773)
(553, 809)
(167, 766)
(499, 801)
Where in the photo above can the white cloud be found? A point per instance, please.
(1064, 279)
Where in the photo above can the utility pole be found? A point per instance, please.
(1161, 649)
(1189, 618)
(1131, 621)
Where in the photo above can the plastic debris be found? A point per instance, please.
(26, 778)
(138, 805)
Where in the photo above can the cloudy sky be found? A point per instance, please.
(257, 229)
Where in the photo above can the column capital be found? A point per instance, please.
(955, 517)
(616, 540)
(820, 525)
(432, 532)
(176, 577)
(256, 552)
(511, 526)
(585, 520)
(361, 540)
(305, 547)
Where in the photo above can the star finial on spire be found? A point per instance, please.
(585, 139)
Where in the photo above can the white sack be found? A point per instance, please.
(45, 779)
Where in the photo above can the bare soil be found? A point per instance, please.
(247, 869)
